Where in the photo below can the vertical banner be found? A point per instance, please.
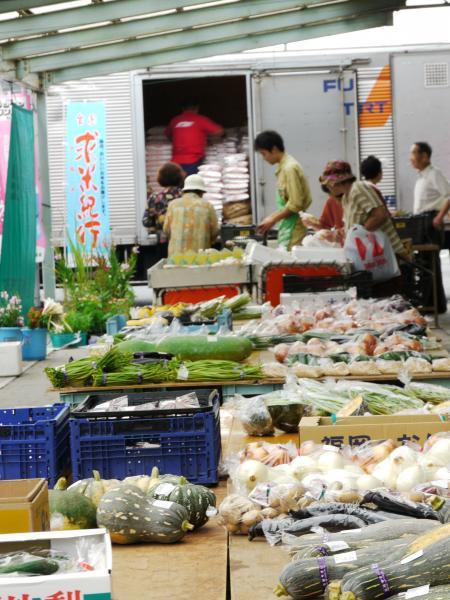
(87, 198)
(24, 99)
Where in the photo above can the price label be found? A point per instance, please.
(417, 592)
(411, 557)
(337, 546)
(345, 557)
(165, 488)
(443, 483)
(162, 504)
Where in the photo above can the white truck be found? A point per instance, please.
(334, 105)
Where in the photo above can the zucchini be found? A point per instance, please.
(379, 532)
(315, 551)
(308, 578)
(389, 577)
(440, 592)
(206, 347)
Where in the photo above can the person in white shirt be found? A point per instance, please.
(432, 190)
(431, 197)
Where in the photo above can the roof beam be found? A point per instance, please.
(12, 5)
(132, 29)
(205, 35)
(88, 15)
(248, 42)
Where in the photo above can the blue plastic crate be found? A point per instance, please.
(187, 445)
(34, 442)
(115, 324)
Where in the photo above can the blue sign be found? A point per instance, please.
(87, 183)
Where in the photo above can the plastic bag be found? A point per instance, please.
(254, 416)
(238, 513)
(371, 251)
(269, 454)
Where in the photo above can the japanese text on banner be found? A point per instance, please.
(87, 197)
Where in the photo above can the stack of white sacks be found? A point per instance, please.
(158, 150)
(226, 177)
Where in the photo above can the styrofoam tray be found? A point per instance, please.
(198, 276)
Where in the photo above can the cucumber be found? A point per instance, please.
(135, 345)
(28, 564)
(204, 347)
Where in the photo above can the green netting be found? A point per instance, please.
(18, 257)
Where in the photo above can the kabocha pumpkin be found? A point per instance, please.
(131, 516)
(195, 498)
(147, 482)
(94, 487)
(69, 509)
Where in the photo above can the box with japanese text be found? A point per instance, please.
(84, 559)
(24, 506)
(354, 431)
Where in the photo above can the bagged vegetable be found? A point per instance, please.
(254, 416)
(270, 454)
(238, 513)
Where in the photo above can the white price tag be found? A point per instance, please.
(411, 557)
(337, 546)
(343, 532)
(417, 592)
(212, 338)
(165, 488)
(329, 448)
(162, 504)
(183, 373)
(345, 557)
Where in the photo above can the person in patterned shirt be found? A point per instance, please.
(191, 221)
(170, 178)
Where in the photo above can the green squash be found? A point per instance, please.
(69, 509)
(94, 487)
(197, 499)
(131, 516)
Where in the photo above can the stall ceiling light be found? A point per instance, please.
(40, 10)
(10, 15)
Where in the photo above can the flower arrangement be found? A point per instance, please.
(10, 310)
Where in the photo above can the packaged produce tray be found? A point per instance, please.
(196, 276)
(180, 444)
(231, 232)
(206, 399)
(34, 442)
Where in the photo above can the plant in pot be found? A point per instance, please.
(61, 332)
(11, 320)
(79, 323)
(35, 335)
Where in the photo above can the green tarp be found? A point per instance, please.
(18, 256)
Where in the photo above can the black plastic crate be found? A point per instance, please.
(206, 398)
(231, 232)
(118, 445)
(417, 228)
(362, 280)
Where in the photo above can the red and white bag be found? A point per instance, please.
(371, 251)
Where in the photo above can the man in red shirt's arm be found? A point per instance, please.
(189, 133)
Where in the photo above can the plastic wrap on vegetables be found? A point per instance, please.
(270, 454)
(254, 416)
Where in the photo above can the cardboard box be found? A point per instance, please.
(354, 431)
(24, 506)
(84, 585)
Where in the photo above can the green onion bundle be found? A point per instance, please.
(80, 372)
(428, 392)
(218, 370)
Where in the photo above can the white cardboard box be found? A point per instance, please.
(86, 585)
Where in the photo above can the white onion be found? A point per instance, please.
(314, 479)
(404, 456)
(442, 473)
(409, 478)
(330, 460)
(354, 469)
(441, 451)
(429, 466)
(368, 482)
(251, 472)
(386, 472)
(302, 465)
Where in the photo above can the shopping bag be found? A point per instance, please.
(371, 251)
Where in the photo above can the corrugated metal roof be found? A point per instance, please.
(51, 41)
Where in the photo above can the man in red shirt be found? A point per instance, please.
(188, 132)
